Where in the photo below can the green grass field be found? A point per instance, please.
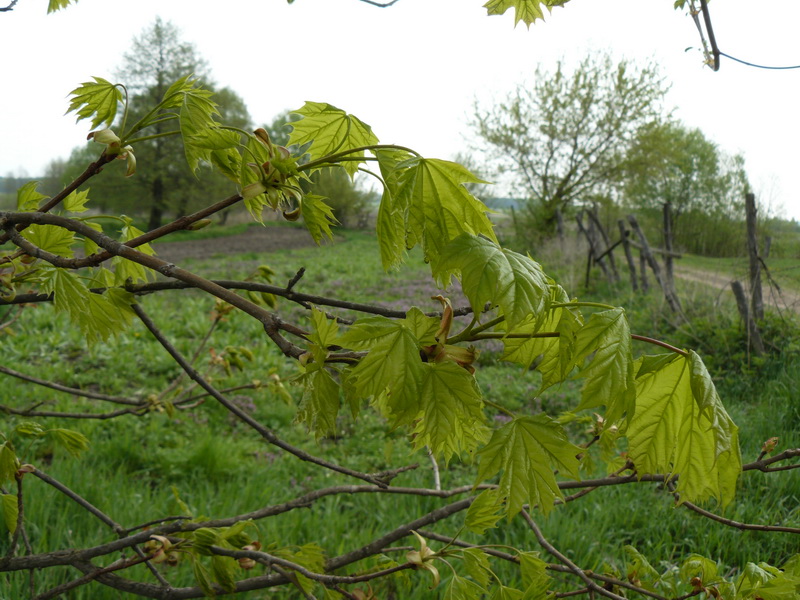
(137, 467)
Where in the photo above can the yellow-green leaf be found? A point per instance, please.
(436, 206)
(606, 338)
(76, 201)
(97, 99)
(331, 130)
(526, 11)
(681, 428)
(8, 462)
(50, 238)
(28, 198)
(527, 450)
(484, 512)
(318, 217)
(495, 275)
(451, 420)
(10, 512)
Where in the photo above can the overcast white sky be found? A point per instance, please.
(412, 71)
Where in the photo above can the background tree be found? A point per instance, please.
(566, 136)
(156, 59)
(671, 163)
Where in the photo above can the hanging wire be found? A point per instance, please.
(713, 54)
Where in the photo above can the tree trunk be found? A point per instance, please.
(757, 301)
(157, 205)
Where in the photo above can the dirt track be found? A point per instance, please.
(255, 239)
(782, 299)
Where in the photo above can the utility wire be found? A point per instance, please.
(715, 51)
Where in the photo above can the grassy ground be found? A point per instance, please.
(137, 467)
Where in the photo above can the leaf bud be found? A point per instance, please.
(292, 215)
(202, 223)
(769, 445)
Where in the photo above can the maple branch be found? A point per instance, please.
(116, 527)
(575, 569)
(69, 390)
(266, 433)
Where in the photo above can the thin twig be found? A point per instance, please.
(69, 390)
(266, 433)
(118, 529)
(575, 569)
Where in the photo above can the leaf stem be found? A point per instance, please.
(313, 164)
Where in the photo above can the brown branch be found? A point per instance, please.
(731, 523)
(116, 527)
(400, 532)
(69, 390)
(89, 577)
(575, 569)
(266, 433)
(92, 170)
(271, 560)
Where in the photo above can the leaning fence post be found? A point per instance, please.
(757, 301)
(669, 295)
(623, 235)
(753, 334)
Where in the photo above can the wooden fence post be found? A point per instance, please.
(757, 301)
(623, 235)
(593, 253)
(599, 227)
(669, 278)
(753, 335)
(671, 298)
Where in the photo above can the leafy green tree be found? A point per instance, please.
(565, 136)
(671, 163)
(157, 57)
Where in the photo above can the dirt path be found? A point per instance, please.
(782, 299)
(255, 239)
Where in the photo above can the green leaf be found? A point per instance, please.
(96, 315)
(493, 274)
(392, 370)
(506, 593)
(197, 113)
(28, 198)
(10, 512)
(639, 568)
(97, 100)
(76, 201)
(50, 238)
(320, 403)
(452, 418)
(680, 427)
(331, 130)
(606, 338)
(326, 331)
(435, 205)
(554, 354)
(203, 578)
(526, 11)
(72, 441)
(535, 579)
(30, 429)
(54, 5)
(422, 326)
(8, 463)
(125, 269)
(224, 570)
(461, 588)
(484, 512)
(526, 450)
(89, 247)
(476, 564)
(392, 213)
(318, 217)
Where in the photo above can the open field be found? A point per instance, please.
(199, 461)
